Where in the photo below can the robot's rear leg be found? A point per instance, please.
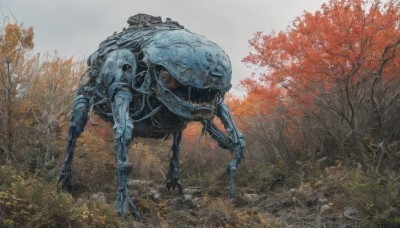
(78, 122)
(173, 174)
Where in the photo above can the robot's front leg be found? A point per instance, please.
(123, 129)
(78, 122)
(234, 141)
(173, 174)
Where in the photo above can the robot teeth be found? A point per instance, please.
(189, 92)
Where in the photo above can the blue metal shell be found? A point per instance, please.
(192, 59)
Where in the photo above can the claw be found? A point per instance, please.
(173, 180)
(123, 200)
(173, 183)
(65, 180)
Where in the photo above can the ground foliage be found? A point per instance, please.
(27, 201)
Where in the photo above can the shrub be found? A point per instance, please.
(375, 196)
(29, 202)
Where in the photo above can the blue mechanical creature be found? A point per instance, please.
(150, 81)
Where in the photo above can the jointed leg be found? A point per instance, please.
(232, 167)
(234, 141)
(123, 128)
(173, 174)
(78, 122)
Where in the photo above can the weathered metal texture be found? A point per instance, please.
(150, 80)
(141, 28)
(191, 59)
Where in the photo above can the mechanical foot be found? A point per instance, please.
(65, 180)
(123, 200)
(230, 171)
(173, 181)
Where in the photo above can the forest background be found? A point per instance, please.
(320, 117)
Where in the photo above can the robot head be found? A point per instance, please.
(194, 73)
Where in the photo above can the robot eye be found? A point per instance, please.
(167, 79)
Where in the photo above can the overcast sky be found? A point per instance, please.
(76, 27)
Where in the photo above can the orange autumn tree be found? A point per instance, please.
(337, 44)
(37, 92)
(15, 42)
(339, 69)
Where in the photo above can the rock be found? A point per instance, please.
(150, 192)
(322, 200)
(157, 196)
(153, 191)
(326, 208)
(175, 201)
(192, 191)
(187, 197)
(352, 213)
(299, 163)
(139, 183)
(196, 191)
(137, 224)
(251, 198)
(193, 212)
(100, 196)
(195, 202)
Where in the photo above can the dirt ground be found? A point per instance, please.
(310, 205)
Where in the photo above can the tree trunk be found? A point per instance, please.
(8, 113)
